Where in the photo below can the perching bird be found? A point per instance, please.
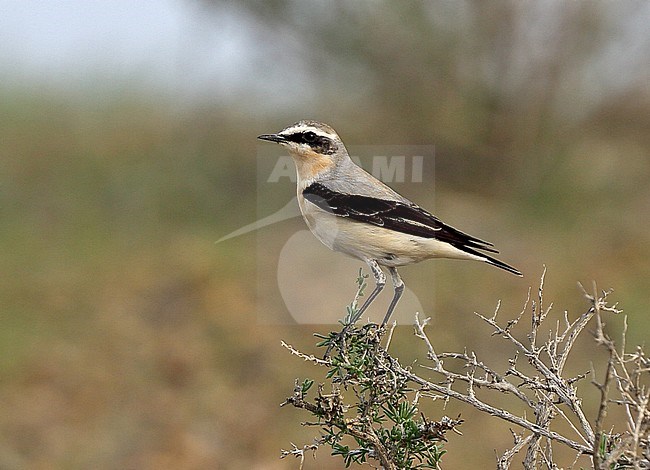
(352, 212)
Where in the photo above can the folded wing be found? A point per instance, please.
(393, 215)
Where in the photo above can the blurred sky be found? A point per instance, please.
(174, 45)
(190, 50)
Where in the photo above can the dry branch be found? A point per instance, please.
(542, 387)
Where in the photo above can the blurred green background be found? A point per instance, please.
(130, 339)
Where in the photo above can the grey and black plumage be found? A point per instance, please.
(352, 212)
(409, 219)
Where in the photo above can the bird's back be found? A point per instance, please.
(349, 178)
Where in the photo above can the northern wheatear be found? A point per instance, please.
(351, 211)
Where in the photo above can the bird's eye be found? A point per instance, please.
(309, 137)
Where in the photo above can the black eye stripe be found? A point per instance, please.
(307, 137)
(319, 143)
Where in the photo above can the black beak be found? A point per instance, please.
(272, 138)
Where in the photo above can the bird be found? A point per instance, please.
(352, 212)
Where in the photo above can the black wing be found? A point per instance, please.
(393, 215)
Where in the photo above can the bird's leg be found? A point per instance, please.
(398, 285)
(380, 282)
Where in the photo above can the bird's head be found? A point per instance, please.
(315, 147)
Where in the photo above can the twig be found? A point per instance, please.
(479, 405)
(521, 441)
(306, 357)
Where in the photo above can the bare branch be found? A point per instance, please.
(364, 367)
(521, 441)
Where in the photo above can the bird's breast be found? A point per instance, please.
(324, 225)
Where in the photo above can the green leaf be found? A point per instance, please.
(305, 386)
